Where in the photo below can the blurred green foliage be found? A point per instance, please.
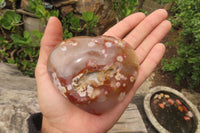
(22, 48)
(74, 26)
(1, 3)
(185, 65)
(123, 8)
(37, 7)
(10, 20)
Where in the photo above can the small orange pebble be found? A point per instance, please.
(167, 96)
(185, 109)
(187, 118)
(162, 106)
(161, 94)
(178, 102)
(180, 108)
(156, 96)
(170, 101)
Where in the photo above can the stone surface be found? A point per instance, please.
(31, 24)
(89, 5)
(13, 79)
(130, 122)
(138, 99)
(66, 10)
(18, 99)
(192, 96)
(59, 3)
(94, 73)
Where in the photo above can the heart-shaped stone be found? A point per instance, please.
(94, 73)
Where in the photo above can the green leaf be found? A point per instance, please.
(87, 16)
(17, 18)
(9, 14)
(75, 24)
(37, 34)
(54, 13)
(40, 11)
(16, 38)
(21, 41)
(67, 34)
(10, 19)
(1, 2)
(11, 61)
(25, 64)
(6, 23)
(2, 39)
(9, 45)
(27, 35)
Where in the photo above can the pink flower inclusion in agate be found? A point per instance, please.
(94, 73)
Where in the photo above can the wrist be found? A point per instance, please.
(48, 128)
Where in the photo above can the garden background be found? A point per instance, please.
(22, 23)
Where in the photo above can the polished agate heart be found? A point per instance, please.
(94, 73)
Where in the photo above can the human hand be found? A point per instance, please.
(59, 115)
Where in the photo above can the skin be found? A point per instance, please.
(142, 32)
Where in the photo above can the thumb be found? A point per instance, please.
(49, 97)
(51, 38)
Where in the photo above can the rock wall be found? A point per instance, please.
(18, 99)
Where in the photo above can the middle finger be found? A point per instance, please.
(136, 36)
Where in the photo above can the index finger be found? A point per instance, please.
(127, 24)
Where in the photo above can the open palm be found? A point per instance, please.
(59, 115)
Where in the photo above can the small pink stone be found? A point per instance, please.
(187, 118)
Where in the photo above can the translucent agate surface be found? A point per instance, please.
(94, 73)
